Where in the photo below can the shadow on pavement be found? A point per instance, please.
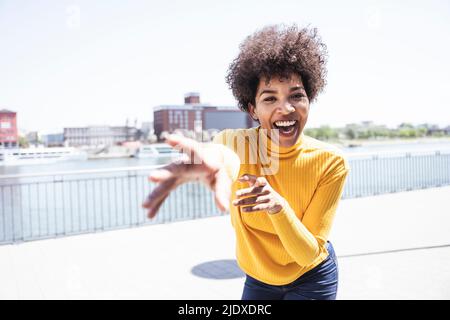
(218, 269)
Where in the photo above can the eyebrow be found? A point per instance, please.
(274, 91)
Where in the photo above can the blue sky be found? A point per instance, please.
(77, 63)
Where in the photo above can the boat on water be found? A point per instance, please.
(26, 156)
(156, 150)
(354, 145)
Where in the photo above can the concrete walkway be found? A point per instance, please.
(394, 246)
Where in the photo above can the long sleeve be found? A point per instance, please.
(302, 239)
(310, 175)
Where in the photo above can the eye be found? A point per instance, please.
(270, 99)
(298, 96)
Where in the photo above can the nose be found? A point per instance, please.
(287, 108)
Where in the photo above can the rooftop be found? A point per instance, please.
(195, 106)
(392, 246)
(6, 111)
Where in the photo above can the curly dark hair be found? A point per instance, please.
(277, 50)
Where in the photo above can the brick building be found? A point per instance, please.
(195, 116)
(9, 138)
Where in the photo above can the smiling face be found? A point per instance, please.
(281, 104)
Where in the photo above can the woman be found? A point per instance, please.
(283, 186)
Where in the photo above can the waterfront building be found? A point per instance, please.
(9, 137)
(146, 130)
(99, 135)
(32, 138)
(198, 117)
(53, 140)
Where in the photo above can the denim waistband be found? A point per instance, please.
(330, 249)
(331, 255)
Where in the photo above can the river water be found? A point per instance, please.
(134, 162)
(36, 207)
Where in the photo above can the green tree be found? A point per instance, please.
(312, 132)
(350, 133)
(23, 142)
(326, 133)
(422, 132)
(437, 134)
(407, 133)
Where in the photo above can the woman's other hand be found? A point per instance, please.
(260, 196)
(202, 162)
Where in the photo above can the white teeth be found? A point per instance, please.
(284, 123)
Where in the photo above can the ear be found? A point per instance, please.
(252, 111)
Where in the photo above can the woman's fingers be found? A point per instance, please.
(157, 196)
(253, 180)
(256, 197)
(252, 200)
(166, 172)
(258, 207)
(160, 175)
(187, 146)
(151, 213)
(250, 178)
(256, 190)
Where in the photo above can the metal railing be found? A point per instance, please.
(374, 174)
(39, 206)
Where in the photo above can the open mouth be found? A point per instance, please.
(286, 128)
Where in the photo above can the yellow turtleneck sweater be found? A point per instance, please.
(279, 248)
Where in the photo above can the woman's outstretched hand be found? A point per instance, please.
(260, 196)
(203, 162)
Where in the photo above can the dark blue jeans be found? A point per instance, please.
(320, 283)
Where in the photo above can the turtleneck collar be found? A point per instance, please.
(281, 152)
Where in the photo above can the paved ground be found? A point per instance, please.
(394, 246)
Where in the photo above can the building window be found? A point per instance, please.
(178, 118)
(5, 125)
